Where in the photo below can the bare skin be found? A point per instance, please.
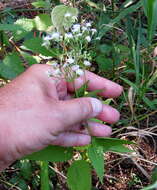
(35, 111)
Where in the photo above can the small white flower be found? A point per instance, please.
(88, 38)
(75, 67)
(70, 60)
(87, 63)
(68, 15)
(47, 37)
(88, 24)
(84, 28)
(52, 36)
(57, 72)
(79, 72)
(55, 35)
(69, 36)
(93, 30)
(76, 28)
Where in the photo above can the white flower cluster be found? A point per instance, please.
(74, 43)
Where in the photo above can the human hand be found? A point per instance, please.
(35, 111)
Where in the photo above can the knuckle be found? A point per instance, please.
(85, 107)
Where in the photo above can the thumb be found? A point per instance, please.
(77, 110)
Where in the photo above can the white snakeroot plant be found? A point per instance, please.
(73, 42)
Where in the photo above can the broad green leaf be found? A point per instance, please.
(26, 24)
(150, 7)
(10, 27)
(105, 64)
(60, 21)
(79, 176)
(35, 45)
(42, 22)
(26, 169)
(52, 154)
(120, 148)
(96, 156)
(22, 184)
(11, 66)
(105, 49)
(41, 4)
(112, 144)
(29, 58)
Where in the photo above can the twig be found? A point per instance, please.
(58, 172)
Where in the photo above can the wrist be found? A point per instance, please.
(6, 156)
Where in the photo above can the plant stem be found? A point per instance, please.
(44, 175)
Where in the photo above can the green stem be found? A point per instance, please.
(44, 175)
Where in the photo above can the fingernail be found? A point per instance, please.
(97, 106)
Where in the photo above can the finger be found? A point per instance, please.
(98, 129)
(109, 114)
(77, 110)
(54, 86)
(93, 129)
(72, 139)
(110, 89)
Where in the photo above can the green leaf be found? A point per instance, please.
(149, 103)
(120, 148)
(150, 7)
(93, 94)
(79, 176)
(11, 66)
(26, 24)
(121, 16)
(10, 27)
(41, 4)
(106, 49)
(26, 169)
(29, 58)
(130, 83)
(112, 144)
(81, 91)
(42, 22)
(96, 156)
(35, 45)
(107, 101)
(105, 64)
(60, 21)
(52, 154)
